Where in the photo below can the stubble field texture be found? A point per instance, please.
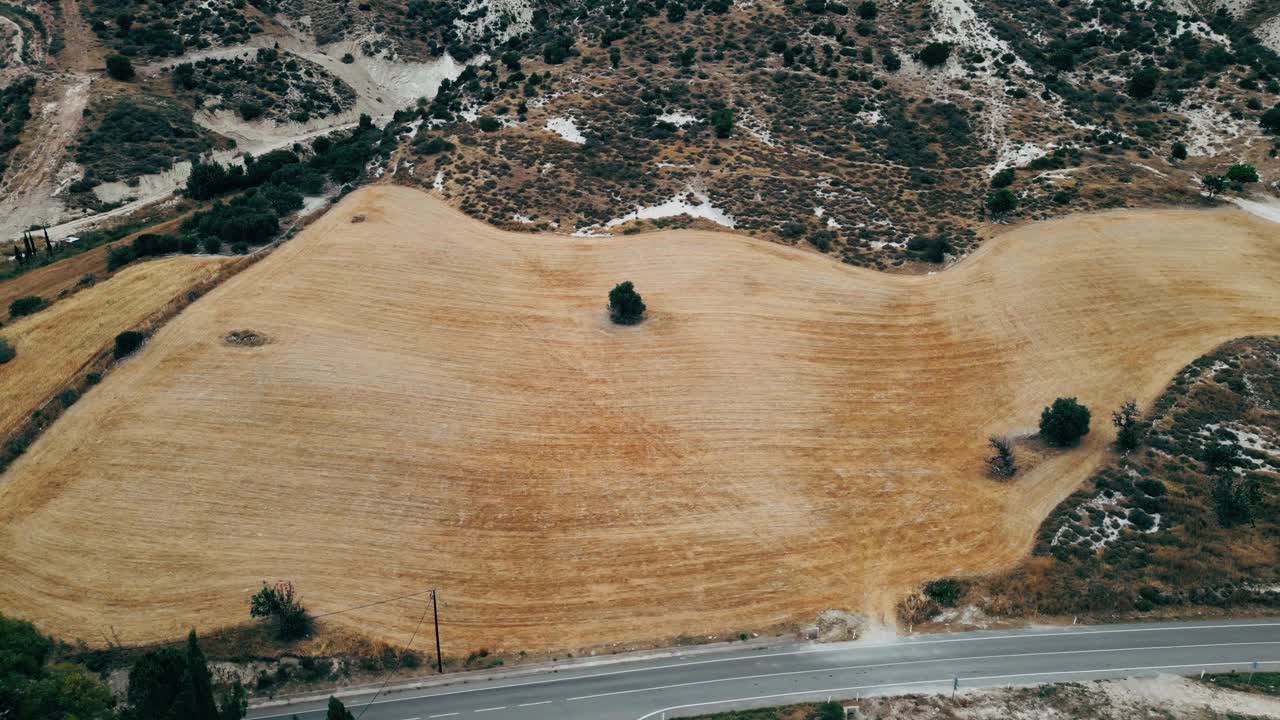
(442, 404)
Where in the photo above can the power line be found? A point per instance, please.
(387, 677)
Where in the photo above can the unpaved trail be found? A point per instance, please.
(443, 404)
(30, 188)
(82, 52)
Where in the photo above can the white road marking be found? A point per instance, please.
(544, 702)
(830, 649)
(905, 662)
(500, 707)
(442, 715)
(947, 681)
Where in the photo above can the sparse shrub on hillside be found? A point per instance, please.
(250, 110)
(26, 305)
(822, 239)
(1221, 456)
(127, 343)
(916, 608)
(1178, 151)
(1004, 178)
(1001, 462)
(558, 49)
(433, 146)
(278, 603)
(120, 67)
(867, 10)
(1237, 500)
(625, 305)
(935, 54)
(1128, 426)
(932, 249)
(489, 124)
(1242, 173)
(7, 352)
(1064, 422)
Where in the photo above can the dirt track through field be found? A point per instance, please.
(446, 405)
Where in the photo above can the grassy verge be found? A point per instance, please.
(808, 711)
(1265, 683)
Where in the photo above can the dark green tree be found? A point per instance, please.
(155, 682)
(1213, 184)
(867, 10)
(1178, 151)
(279, 603)
(127, 342)
(625, 305)
(1221, 456)
(1242, 173)
(1236, 500)
(119, 67)
(26, 305)
(722, 122)
(1128, 426)
(675, 12)
(935, 54)
(195, 698)
(337, 711)
(1064, 422)
(1143, 83)
(7, 352)
(1001, 203)
(1270, 120)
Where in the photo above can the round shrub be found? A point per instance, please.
(127, 342)
(119, 67)
(1064, 422)
(7, 352)
(625, 305)
(26, 305)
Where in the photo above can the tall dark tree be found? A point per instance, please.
(337, 711)
(195, 700)
(279, 603)
(155, 682)
(625, 305)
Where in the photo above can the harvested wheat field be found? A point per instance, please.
(55, 344)
(441, 404)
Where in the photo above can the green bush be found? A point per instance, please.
(68, 397)
(945, 592)
(127, 343)
(1242, 173)
(1270, 120)
(119, 67)
(26, 306)
(1143, 83)
(1064, 422)
(935, 54)
(489, 124)
(625, 305)
(7, 352)
(1001, 202)
(1004, 178)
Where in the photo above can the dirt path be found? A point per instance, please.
(82, 53)
(442, 404)
(29, 189)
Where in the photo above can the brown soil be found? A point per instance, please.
(447, 405)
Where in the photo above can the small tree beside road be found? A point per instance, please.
(279, 603)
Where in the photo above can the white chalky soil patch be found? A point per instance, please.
(567, 129)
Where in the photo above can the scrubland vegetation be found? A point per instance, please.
(1187, 518)
(133, 136)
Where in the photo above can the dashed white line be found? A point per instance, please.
(500, 707)
(908, 662)
(544, 702)
(1069, 633)
(442, 715)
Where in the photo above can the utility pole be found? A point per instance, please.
(435, 615)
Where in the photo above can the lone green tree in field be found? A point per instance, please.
(279, 603)
(1128, 426)
(337, 711)
(625, 305)
(120, 67)
(1064, 422)
(1242, 173)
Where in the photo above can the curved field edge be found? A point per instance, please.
(442, 404)
(59, 343)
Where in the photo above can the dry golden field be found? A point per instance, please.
(57, 343)
(442, 404)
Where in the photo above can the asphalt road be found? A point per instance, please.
(738, 678)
